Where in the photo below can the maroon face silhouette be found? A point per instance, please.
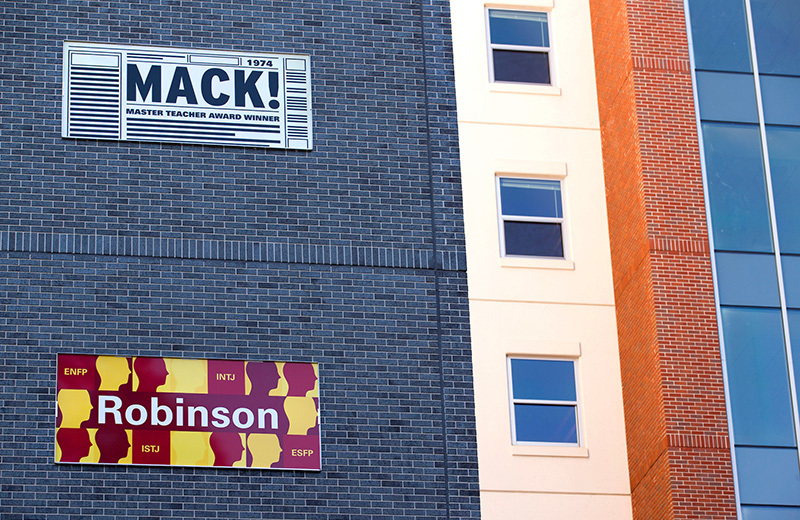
(152, 373)
(301, 378)
(74, 444)
(227, 448)
(263, 376)
(112, 442)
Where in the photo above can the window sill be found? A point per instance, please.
(518, 450)
(522, 88)
(537, 263)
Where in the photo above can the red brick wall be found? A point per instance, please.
(679, 455)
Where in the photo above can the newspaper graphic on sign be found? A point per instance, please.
(136, 93)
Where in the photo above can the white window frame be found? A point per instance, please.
(529, 48)
(512, 401)
(501, 218)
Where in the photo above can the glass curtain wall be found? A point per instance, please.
(746, 58)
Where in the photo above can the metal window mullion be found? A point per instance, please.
(511, 393)
(489, 56)
(547, 402)
(512, 47)
(500, 224)
(774, 223)
(544, 220)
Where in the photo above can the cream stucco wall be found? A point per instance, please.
(561, 308)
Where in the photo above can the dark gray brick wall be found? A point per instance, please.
(365, 182)
(350, 255)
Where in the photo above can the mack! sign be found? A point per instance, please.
(164, 94)
(187, 412)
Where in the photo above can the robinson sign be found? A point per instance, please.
(187, 412)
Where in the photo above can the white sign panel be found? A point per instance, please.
(134, 93)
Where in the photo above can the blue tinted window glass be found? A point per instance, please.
(543, 379)
(530, 198)
(727, 97)
(770, 513)
(768, 476)
(521, 66)
(545, 423)
(533, 239)
(791, 282)
(794, 334)
(719, 35)
(784, 162)
(776, 25)
(781, 101)
(747, 279)
(758, 379)
(737, 189)
(518, 28)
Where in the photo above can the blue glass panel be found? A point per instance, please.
(518, 28)
(543, 379)
(770, 513)
(727, 97)
(521, 66)
(719, 35)
(776, 24)
(780, 99)
(737, 189)
(794, 334)
(758, 377)
(768, 476)
(530, 198)
(791, 281)
(533, 239)
(545, 423)
(784, 162)
(747, 279)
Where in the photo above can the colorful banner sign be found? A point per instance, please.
(187, 412)
(164, 94)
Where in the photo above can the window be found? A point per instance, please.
(531, 217)
(544, 406)
(519, 44)
(737, 189)
(758, 379)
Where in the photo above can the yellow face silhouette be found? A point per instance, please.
(114, 372)
(314, 392)
(190, 448)
(94, 453)
(283, 385)
(128, 459)
(187, 376)
(265, 449)
(302, 414)
(75, 406)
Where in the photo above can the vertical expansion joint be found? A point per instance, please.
(436, 260)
